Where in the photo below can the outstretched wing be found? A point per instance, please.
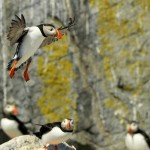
(47, 41)
(16, 31)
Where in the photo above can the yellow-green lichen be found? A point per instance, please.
(56, 73)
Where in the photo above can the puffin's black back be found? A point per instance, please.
(147, 139)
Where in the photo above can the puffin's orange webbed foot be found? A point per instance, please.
(26, 76)
(12, 71)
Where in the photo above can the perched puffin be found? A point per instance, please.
(29, 39)
(10, 124)
(136, 139)
(56, 132)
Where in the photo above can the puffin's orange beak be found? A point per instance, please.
(59, 34)
(68, 125)
(15, 111)
(129, 130)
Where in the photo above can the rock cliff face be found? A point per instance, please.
(109, 51)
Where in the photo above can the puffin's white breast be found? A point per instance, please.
(30, 44)
(56, 136)
(136, 142)
(10, 127)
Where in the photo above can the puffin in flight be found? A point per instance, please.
(136, 138)
(56, 132)
(29, 39)
(10, 124)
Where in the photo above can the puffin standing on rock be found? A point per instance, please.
(56, 132)
(29, 39)
(10, 124)
(136, 139)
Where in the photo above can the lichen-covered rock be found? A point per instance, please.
(30, 142)
(109, 51)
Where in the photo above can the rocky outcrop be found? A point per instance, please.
(22, 142)
(30, 142)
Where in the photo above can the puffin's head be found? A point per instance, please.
(132, 127)
(50, 30)
(67, 124)
(10, 109)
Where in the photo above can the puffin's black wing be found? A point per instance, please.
(47, 41)
(17, 29)
(46, 128)
(147, 139)
(21, 126)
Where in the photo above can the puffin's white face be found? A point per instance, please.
(132, 127)
(51, 31)
(67, 124)
(10, 109)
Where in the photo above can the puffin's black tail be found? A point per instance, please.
(10, 64)
(38, 134)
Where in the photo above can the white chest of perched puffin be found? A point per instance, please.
(56, 136)
(30, 44)
(10, 127)
(136, 142)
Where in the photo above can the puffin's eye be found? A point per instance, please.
(65, 121)
(51, 29)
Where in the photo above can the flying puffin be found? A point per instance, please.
(29, 39)
(10, 124)
(136, 139)
(56, 132)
